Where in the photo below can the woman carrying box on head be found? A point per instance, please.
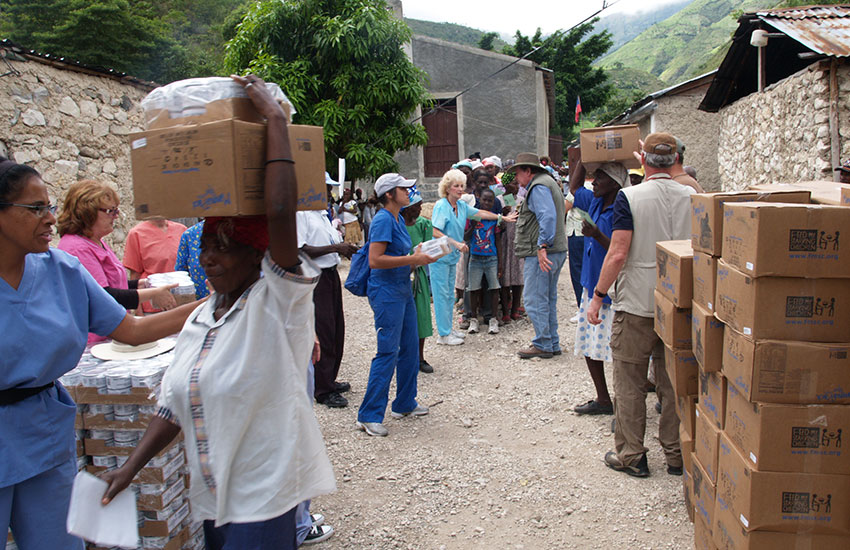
(236, 386)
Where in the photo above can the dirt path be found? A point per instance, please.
(500, 462)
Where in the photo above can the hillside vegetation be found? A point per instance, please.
(626, 26)
(451, 32)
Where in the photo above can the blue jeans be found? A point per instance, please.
(273, 534)
(482, 267)
(303, 523)
(575, 246)
(37, 509)
(443, 293)
(398, 351)
(541, 300)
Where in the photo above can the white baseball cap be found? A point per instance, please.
(388, 182)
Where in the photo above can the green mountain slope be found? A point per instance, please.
(686, 44)
(626, 26)
(451, 32)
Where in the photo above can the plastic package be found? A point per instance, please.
(179, 103)
(436, 248)
(184, 293)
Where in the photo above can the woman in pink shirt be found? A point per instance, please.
(88, 215)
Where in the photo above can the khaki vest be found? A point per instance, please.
(527, 228)
(661, 211)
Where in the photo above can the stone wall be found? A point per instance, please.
(71, 125)
(782, 134)
(678, 115)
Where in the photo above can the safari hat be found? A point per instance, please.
(118, 351)
(526, 159)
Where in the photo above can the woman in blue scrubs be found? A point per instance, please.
(391, 297)
(48, 305)
(449, 219)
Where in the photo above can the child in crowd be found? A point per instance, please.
(483, 262)
(420, 230)
(510, 273)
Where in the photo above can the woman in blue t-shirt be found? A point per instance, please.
(594, 341)
(391, 297)
(48, 305)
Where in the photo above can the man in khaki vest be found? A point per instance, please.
(541, 239)
(656, 210)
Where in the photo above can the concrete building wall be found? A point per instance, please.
(782, 134)
(678, 115)
(499, 117)
(70, 126)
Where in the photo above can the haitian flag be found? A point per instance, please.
(578, 107)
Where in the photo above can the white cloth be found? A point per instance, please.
(348, 217)
(594, 341)
(315, 229)
(254, 435)
(112, 525)
(574, 219)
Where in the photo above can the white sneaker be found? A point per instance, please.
(494, 326)
(458, 334)
(473, 326)
(420, 410)
(574, 319)
(449, 340)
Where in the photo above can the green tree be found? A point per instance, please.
(487, 40)
(570, 55)
(342, 64)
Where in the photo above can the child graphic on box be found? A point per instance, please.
(483, 262)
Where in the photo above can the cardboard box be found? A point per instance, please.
(786, 240)
(686, 443)
(707, 213)
(148, 474)
(176, 542)
(823, 192)
(675, 271)
(780, 501)
(97, 447)
(99, 422)
(686, 406)
(706, 440)
(610, 144)
(702, 536)
(164, 527)
(705, 279)
(687, 494)
(706, 338)
(783, 308)
(682, 370)
(786, 371)
(217, 169)
(789, 438)
(712, 397)
(728, 534)
(845, 196)
(137, 396)
(704, 494)
(160, 501)
(672, 324)
(238, 108)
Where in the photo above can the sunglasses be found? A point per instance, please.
(114, 212)
(40, 210)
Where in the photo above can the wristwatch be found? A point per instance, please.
(543, 246)
(599, 294)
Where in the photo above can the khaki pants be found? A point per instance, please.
(633, 342)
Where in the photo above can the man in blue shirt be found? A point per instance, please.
(541, 239)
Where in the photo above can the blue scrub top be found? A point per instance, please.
(391, 230)
(594, 253)
(45, 324)
(452, 225)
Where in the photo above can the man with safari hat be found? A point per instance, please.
(656, 210)
(541, 239)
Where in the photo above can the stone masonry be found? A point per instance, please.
(72, 125)
(782, 134)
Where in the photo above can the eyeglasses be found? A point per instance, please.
(40, 210)
(114, 212)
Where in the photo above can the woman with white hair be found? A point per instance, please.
(593, 341)
(449, 218)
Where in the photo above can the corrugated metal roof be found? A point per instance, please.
(822, 29)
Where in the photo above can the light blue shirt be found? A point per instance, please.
(540, 202)
(451, 224)
(44, 326)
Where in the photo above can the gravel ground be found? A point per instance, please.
(500, 462)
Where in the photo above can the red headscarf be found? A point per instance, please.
(252, 231)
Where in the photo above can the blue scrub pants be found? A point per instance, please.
(398, 350)
(443, 293)
(541, 300)
(575, 246)
(272, 534)
(37, 509)
(303, 522)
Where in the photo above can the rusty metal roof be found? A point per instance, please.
(822, 29)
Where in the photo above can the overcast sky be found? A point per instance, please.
(506, 16)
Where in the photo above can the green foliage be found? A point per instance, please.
(570, 54)
(629, 85)
(686, 44)
(451, 32)
(625, 26)
(487, 41)
(343, 66)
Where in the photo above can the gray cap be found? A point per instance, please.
(388, 182)
(617, 172)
